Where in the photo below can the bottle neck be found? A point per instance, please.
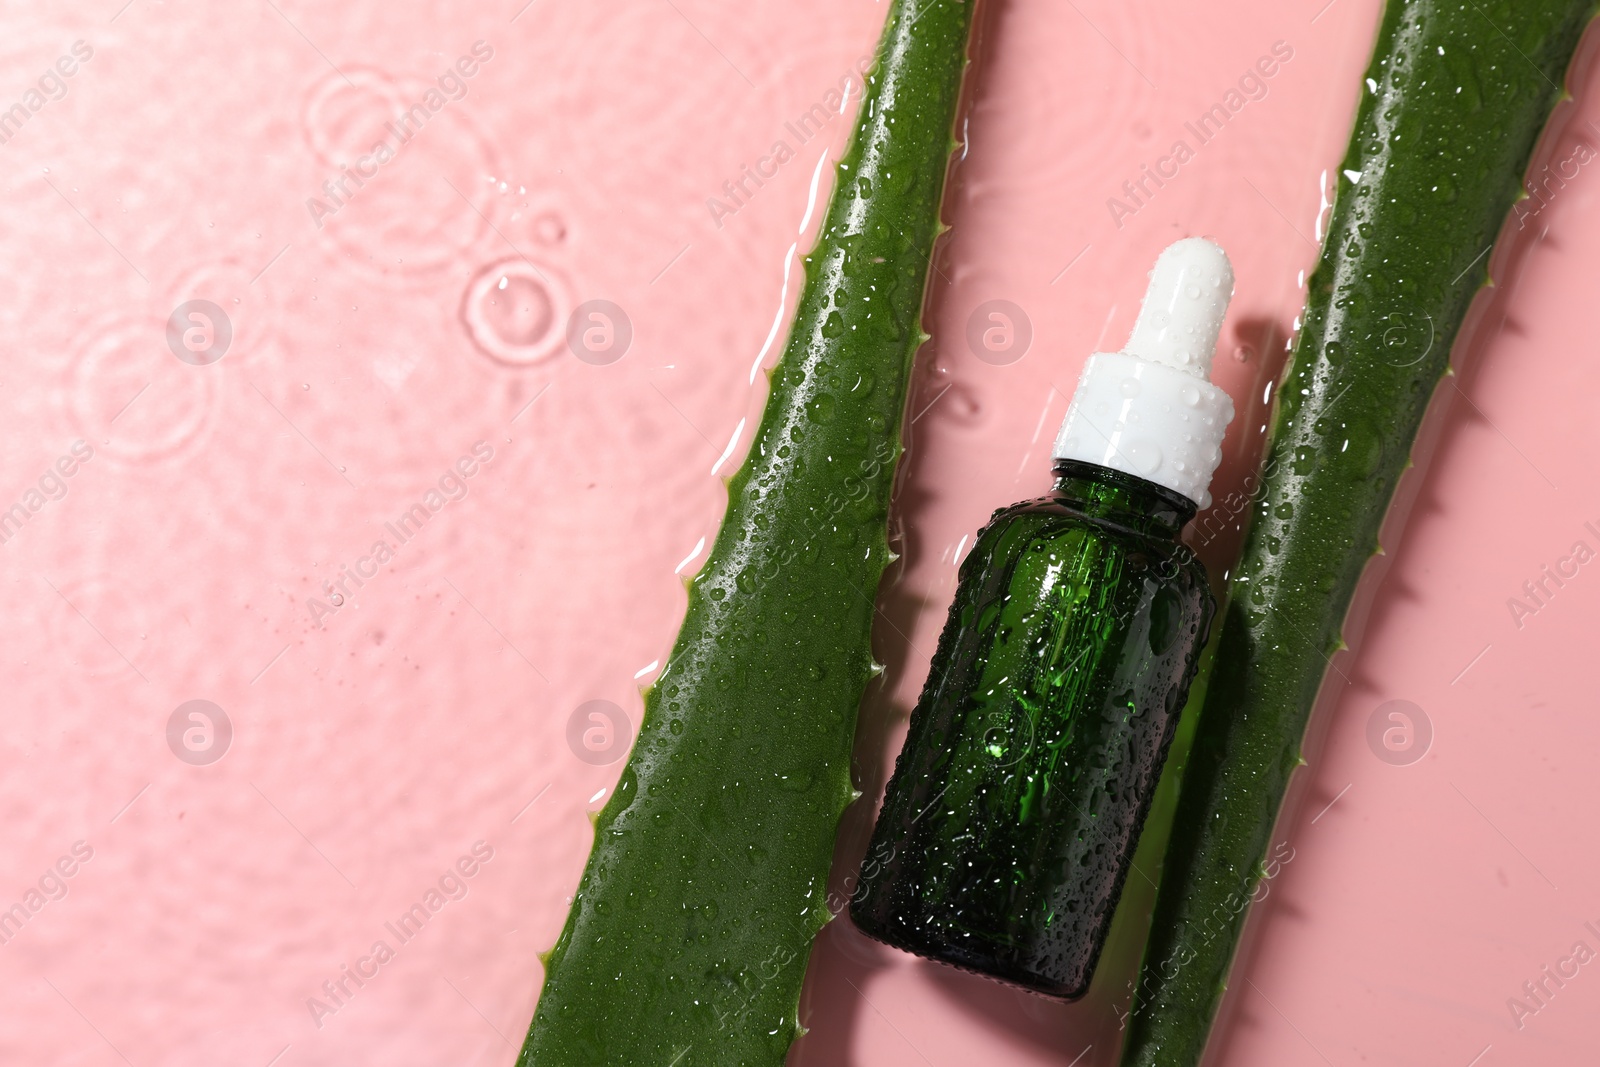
(1128, 501)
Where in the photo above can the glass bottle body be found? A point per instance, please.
(1033, 754)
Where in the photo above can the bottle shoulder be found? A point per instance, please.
(1051, 517)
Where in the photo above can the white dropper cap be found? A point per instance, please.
(1151, 409)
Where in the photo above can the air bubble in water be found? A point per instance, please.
(515, 311)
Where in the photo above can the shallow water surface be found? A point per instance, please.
(407, 503)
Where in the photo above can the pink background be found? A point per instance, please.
(373, 746)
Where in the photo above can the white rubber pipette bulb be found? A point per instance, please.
(1181, 317)
(1151, 409)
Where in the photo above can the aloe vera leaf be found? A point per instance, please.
(689, 933)
(1463, 88)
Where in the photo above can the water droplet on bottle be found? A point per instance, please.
(1146, 455)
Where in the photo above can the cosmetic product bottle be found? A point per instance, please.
(1011, 820)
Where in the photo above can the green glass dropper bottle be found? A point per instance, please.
(1033, 754)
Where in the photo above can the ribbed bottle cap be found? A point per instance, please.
(1151, 409)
